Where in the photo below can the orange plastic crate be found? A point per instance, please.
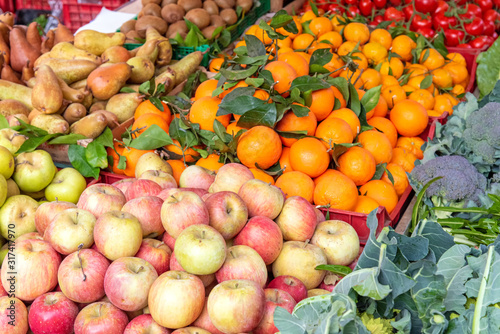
(77, 14)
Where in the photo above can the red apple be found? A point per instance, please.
(147, 209)
(166, 193)
(144, 324)
(2, 290)
(228, 213)
(236, 306)
(34, 271)
(46, 211)
(191, 330)
(163, 179)
(263, 235)
(330, 281)
(13, 311)
(176, 299)
(230, 177)
(182, 210)
(141, 188)
(52, 313)
(31, 235)
(123, 184)
(155, 252)
(204, 321)
(196, 177)
(320, 217)
(101, 317)
(100, 198)
(205, 279)
(274, 298)
(168, 240)
(81, 276)
(243, 262)
(261, 198)
(297, 219)
(290, 284)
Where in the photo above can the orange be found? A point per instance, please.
(334, 131)
(299, 64)
(409, 117)
(399, 177)
(378, 144)
(189, 154)
(146, 107)
(456, 58)
(242, 42)
(381, 108)
(409, 89)
(115, 154)
(393, 95)
(442, 104)
(204, 111)
(442, 78)
(260, 145)
(215, 65)
(392, 67)
(283, 31)
(316, 46)
(261, 94)
(332, 37)
(334, 65)
(240, 84)
(424, 97)
(382, 192)
(336, 190)
(178, 167)
(402, 45)
(404, 158)
(416, 70)
(381, 36)
(434, 113)
(210, 162)
(323, 101)
(304, 55)
(412, 144)
(417, 81)
(327, 173)
(361, 60)
(365, 205)
(262, 35)
(283, 74)
(352, 77)
(308, 16)
(206, 88)
(388, 80)
(142, 123)
(233, 129)
(290, 122)
(357, 32)
(358, 164)
(371, 78)
(458, 90)
(309, 155)
(387, 128)
(337, 23)
(345, 48)
(374, 52)
(296, 184)
(132, 155)
(454, 101)
(284, 160)
(338, 96)
(302, 41)
(431, 59)
(349, 116)
(259, 174)
(282, 44)
(320, 25)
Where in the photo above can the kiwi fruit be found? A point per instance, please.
(172, 13)
(211, 7)
(145, 2)
(190, 4)
(166, 2)
(128, 26)
(147, 21)
(131, 36)
(224, 4)
(208, 32)
(216, 20)
(246, 5)
(199, 17)
(229, 16)
(177, 27)
(150, 9)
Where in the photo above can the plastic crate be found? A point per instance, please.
(77, 13)
(358, 220)
(32, 4)
(7, 5)
(470, 56)
(180, 52)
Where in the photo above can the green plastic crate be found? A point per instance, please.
(180, 52)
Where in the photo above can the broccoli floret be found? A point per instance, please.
(482, 132)
(460, 182)
(376, 325)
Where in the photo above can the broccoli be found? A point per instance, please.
(376, 325)
(482, 132)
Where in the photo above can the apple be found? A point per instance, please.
(289, 284)
(176, 299)
(67, 185)
(69, 229)
(7, 163)
(2, 290)
(3, 252)
(17, 216)
(34, 271)
(144, 324)
(297, 219)
(338, 240)
(299, 259)
(243, 262)
(355, 262)
(330, 281)
(228, 213)
(127, 283)
(263, 235)
(123, 184)
(3, 189)
(165, 193)
(47, 211)
(11, 140)
(261, 198)
(34, 170)
(196, 177)
(147, 210)
(200, 249)
(81, 276)
(205, 279)
(163, 179)
(317, 292)
(151, 161)
(13, 311)
(12, 188)
(191, 330)
(168, 240)
(182, 210)
(141, 188)
(274, 298)
(230, 177)
(155, 252)
(100, 198)
(320, 217)
(236, 306)
(101, 317)
(204, 321)
(52, 313)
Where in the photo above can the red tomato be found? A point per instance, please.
(442, 6)
(476, 27)
(473, 10)
(381, 3)
(351, 2)
(426, 6)
(464, 46)
(378, 19)
(366, 7)
(393, 14)
(428, 33)
(489, 28)
(453, 37)
(484, 4)
(441, 21)
(492, 15)
(479, 42)
(496, 3)
(395, 2)
(353, 11)
(408, 11)
(336, 9)
(418, 22)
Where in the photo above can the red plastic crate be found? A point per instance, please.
(7, 5)
(32, 4)
(470, 56)
(76, 14)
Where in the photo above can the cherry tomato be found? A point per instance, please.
(381, 3)
(475, 28)
(396, 3)
(495, 35)
(484, 4)
(464, 46)
(366, 7)
(408, 11)
(479, 42)
(453, 37)
(336, 9)
(393, 14)
(489, 28)
(442, 6)
(473, 10)
(323, 4)
(426, 6)
(496, 3)
(377, 20)
(440, 21)
(426, 32)
(418, 22)
(351, 2)
(352, 11)
(460, 2)
(492, 15)
(490, 40)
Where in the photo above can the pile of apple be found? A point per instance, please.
(141, 255)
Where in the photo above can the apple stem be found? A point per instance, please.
(228, 210)
(174, 197)
(140, 269)
(231, 252)
(306, 243)
(100, 307)
(203, 234)
(80, 246)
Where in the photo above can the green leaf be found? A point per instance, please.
(262, 115)
(295, 96)
(239, 105)
(379, 171)
(354, 103)
(426, 83)
(254, 82)
(154, 137)
(127, 90)
(300, 111)
(191, 39)
(305, 83)
(342, 85)
(254, 46)
(488, 69)
(292, 134)
(76, 155)
(314, 8)
(3, 122)
(319, 59)
(371, 97)
(185, 137)
(72, 138)
(145, 87)
(96, 155)
(105, 138)
(122, 163)
(220, 131)
(440, 45)
(32, 143)
(336, 269)
(239, 75)
(281, 19)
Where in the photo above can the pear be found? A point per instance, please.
(80, 84)
(123, 105)
(42, 59)
(74, 112)
(151, 161)
(72, 94)
(88, 100)
(66, 50)
(13, 91)
(71, 70)
(48, 42)
(164, 47)
(104, 82)
(47, 95)
(115, 54)
(51, 123)
(97, 42)
(13, 107)
(62, 34)
(142, 69)
(98, 105)
(112, 118)
(149, 50)
(91, 126)
(167, 78)
(21, 51)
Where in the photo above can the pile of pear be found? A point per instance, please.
(75, 83)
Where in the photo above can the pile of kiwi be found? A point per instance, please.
(167, 16)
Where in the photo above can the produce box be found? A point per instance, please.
(470, 56)
(32, 4)
(6, 5)
(77, 13)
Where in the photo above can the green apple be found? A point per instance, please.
(67, 185)
(3, 190)
(3, 252)
(34, 171)
(7, 164)
(17, 216)
(11, 140)
(12, 188)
